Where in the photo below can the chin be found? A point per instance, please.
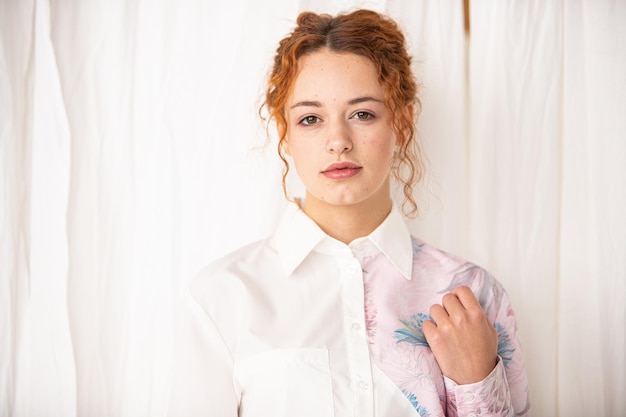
(351, 201)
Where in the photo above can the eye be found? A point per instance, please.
(362, 115)
(309, 120)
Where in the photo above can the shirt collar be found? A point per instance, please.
(297, 235)
(393, 239)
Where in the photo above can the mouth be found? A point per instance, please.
(341, 170)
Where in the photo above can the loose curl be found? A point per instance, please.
(373, 36)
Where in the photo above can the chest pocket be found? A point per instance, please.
(285, 382)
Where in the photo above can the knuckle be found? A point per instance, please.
(446, 327)
(459, 320)
(434, 336)
(476, 314)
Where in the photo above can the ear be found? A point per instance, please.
(409, 109)
(284, 145)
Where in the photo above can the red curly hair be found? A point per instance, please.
(373, 36)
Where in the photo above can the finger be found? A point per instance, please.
(439, 315)
(432, 334)
(428, 328)
(453, 305)
(466, 297)
(470, 303)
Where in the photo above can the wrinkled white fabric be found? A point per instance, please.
(131, 155)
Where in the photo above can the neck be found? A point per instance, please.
(349, 222)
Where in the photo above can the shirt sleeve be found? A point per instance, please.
(202, 381)
(490, 397)
(505, 390)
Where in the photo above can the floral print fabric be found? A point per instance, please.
(397, 307)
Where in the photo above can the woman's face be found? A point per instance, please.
(339, 131)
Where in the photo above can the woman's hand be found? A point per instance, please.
(461, 337)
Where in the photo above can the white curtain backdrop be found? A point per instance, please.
(131, 155)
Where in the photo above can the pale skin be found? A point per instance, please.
(336, 116)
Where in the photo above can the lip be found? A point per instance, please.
(341, 170)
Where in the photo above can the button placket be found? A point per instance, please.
(352, 269)
(356, 339)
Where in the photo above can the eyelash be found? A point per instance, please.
(358, 115)
(362, 112)
(305, 122)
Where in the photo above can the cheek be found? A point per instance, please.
(293, 145)
(381, 150)
(301, 155)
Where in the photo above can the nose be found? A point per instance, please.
(339, 140)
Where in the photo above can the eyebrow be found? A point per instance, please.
(306, 104)
(310, 103)
(364, 99)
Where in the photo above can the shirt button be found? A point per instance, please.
(364, 385)
(356, 326)
(468, 396)
(352, 269)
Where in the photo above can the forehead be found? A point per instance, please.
(334, 76)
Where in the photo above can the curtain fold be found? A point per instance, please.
(592, 258)
(131, 154)
(94, 45)
(514, 174)
(16, 135)
(166, 159)
(51, 360)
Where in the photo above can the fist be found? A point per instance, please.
(463, 340)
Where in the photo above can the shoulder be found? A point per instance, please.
(429, 257)
(449, 271)
(226, 277)
(247, 254)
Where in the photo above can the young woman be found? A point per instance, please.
(341, 312)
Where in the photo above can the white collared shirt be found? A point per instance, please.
(303, 325)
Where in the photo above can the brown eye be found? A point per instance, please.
(309, 120)
(363, 115)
